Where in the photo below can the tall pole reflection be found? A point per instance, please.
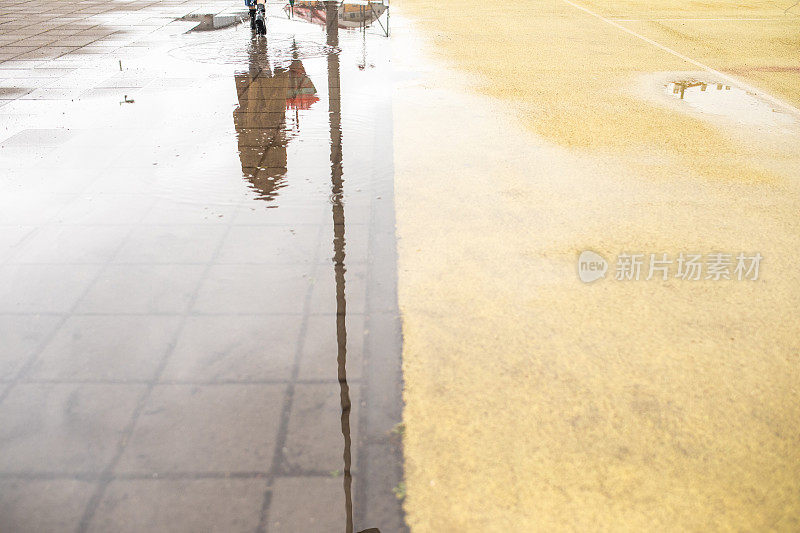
(335, 120)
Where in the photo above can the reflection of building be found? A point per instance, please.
(349, 15)
(260, 120)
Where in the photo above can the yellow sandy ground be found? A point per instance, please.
(534, 401)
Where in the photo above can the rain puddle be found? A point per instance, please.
(726, 100)
(199, 287)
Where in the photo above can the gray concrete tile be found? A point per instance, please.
(380, 474)
(11, 237)
(52, 93)
(314, 441)
(310, 505)
(212, 505)
(45, 52)
(10, 93)
(43, 506)
(171, 244)
(35, 41)
(60, 33)
(71, 244)
(44, 179)
(64, 428)
(15, 50)
(109, 92)
(321, 348)
(131, 180)
(117, 348)
(238, 348)
(105, 209)
(22, 83)
(126, 82)
(253, 289)
(256, 212)
(40, 136)
(167, 212)
(73, 40)
(324, 297)
(270, 244)
(143, 289)
(43, 288)
(16, 157)
(30, 208)
(213, 428)
(22, 336)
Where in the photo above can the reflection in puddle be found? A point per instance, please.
(208, 22)
(234, 51)
(348, 15)
(340, 269)
(279, 107)
(724, 100)
(265, 93)
(337, 184)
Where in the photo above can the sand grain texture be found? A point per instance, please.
(525, 134)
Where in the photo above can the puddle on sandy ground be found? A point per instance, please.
(721, 99)
(198, 286)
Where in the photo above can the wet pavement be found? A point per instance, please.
(198, 290)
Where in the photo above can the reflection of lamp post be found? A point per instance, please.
(335, 121)
(332, 29)
(337, 186)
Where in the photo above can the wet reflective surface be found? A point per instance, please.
(356, 15)
(197, 275)
(724, 100)
(210, 22)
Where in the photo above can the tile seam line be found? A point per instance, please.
(761, 93)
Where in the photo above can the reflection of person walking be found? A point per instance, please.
(258, 20)
(265, 94)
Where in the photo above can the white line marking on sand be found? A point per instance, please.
(768, 97)
(701, 19)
